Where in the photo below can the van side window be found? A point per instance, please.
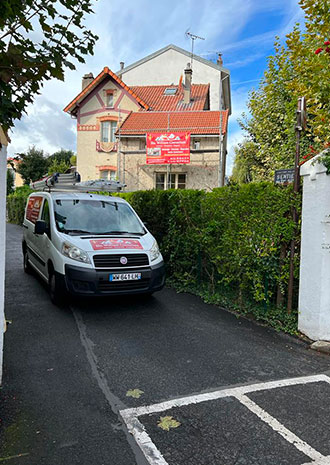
(45, 213)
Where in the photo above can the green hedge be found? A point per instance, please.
(230, 246)
(16, 204)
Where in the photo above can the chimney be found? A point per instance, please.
(122, 64)
(187, 84)
(87, 79)
(220, 60)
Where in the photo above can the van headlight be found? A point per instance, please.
(154, 251)
(75, 253)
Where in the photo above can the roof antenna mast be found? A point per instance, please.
(193, 37)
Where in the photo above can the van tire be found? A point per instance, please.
(56, 290)
(26, 264)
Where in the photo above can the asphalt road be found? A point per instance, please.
(67, 372)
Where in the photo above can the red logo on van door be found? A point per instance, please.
(103, 244)
(33, 208)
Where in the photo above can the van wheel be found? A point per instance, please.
(56, 290)
(26, 263)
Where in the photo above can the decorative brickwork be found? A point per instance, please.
(88, 127)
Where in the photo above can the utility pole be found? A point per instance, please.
(300, 126)
(221, 155)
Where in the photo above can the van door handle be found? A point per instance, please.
(26, 227)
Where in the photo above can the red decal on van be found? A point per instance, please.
(103, 244)
(33, 208)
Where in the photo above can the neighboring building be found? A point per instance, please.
(111, 142)
(12, 165)
(167, 65)
(3, 184)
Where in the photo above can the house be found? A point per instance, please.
(106, 102)
(202, 170)
(3, 172)
(166, 66)
(12, 165)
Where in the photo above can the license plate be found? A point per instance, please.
(125, 277)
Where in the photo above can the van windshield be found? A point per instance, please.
(76, 216)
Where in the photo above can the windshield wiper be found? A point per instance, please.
(75, 231)
(120, 232)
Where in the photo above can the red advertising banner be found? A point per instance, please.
(168, 148)
(104, 244)
(33, 208)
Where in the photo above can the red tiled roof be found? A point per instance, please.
(157, 101)
(195, 122)
(106, 71)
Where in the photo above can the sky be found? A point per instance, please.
(243, 31)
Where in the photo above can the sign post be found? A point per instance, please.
(300, 126)
(284, 176)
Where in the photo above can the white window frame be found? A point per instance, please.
(108, 129)
(108, 175)
(168, 185)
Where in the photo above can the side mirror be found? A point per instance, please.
(40, 227)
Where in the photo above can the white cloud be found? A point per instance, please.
(131, 30)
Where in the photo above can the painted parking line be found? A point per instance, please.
(154, 456)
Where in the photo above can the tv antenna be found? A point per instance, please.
(193, 37)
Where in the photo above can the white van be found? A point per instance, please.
(88, 244)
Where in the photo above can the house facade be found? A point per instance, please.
(202, 172)
(99, 108)
(114, 119)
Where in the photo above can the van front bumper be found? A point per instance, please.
(84, 281)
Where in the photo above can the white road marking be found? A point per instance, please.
(154, 456)
(196, 399)
(324, 461)
(279, 428)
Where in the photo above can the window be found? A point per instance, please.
(170, 91)
(108, 175)
(196, 144)
(108, 129)
(45, 213)
(142, 144)
(160, 181)
(109, 100)
(95, 217)
(173, 181)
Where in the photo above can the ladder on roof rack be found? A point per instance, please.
(70, 182)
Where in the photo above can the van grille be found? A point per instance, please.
(107, 286)
(113, 260)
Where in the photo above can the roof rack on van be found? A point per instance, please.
(71, 183)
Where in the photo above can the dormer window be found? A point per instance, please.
(170, 91)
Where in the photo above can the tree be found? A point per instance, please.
(57, 166)
(62, 156)
(245, 160)
(34, 165)
(10, 182)
(295, 70)
(38, 38)
(310, 56)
